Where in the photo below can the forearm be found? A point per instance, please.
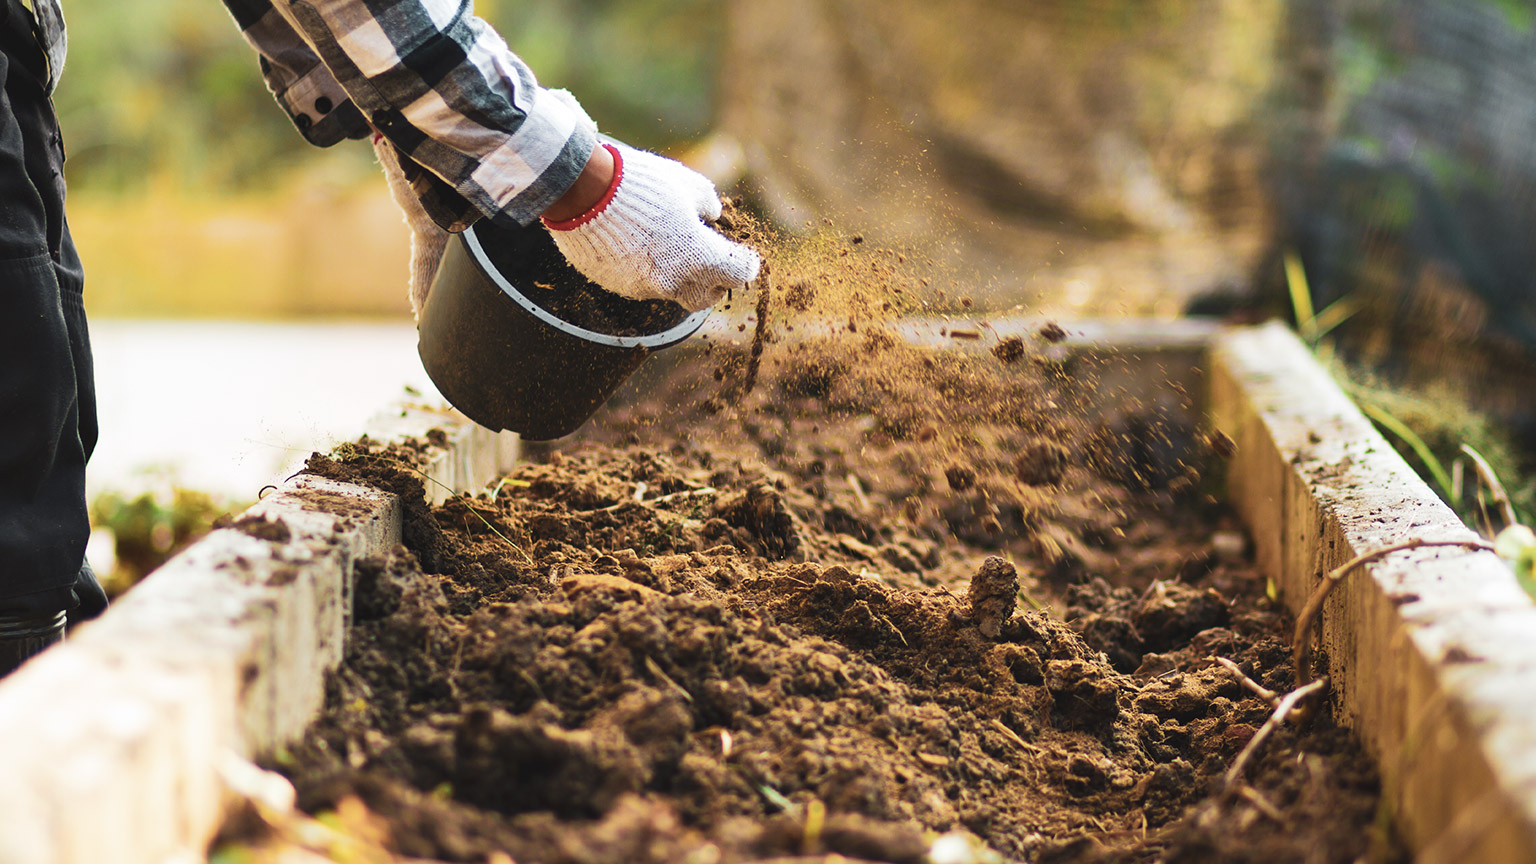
(590, 187)
(446, 91)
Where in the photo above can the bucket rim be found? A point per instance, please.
(671, 336)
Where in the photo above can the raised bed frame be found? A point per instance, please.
(117, 745)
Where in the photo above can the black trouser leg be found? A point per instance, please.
(24, 638)
(47, 395)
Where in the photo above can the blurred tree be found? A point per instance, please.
(1109, 145)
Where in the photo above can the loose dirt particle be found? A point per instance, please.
(1221, 444)
(960, 477)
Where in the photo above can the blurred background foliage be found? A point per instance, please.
(165, 93)
(148, 528)
(191, 194)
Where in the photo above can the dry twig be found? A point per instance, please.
(858, 492)
(655, 669)
(639, 498)
(1258, 689)
(1013, 736)
(662, 499)
(759, 335)
(1260, 803)
(1282, 711)
(1301, 642)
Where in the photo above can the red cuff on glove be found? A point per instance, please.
(602, 203)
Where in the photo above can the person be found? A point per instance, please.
(465, 132)
(47, 398)
(475, 136)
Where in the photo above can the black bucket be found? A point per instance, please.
(516, 338)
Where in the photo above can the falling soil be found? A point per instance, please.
(782, 625)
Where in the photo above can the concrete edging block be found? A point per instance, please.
(466, 456)
(1430, 651)
(110, 744)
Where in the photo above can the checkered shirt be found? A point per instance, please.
(438, 83)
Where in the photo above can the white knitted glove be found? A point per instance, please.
(648, 238)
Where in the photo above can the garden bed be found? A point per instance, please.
(759, 619)
(143, 717)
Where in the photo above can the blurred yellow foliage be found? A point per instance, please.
(301, 249)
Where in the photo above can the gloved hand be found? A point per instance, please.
(648, 238)
(427, 240)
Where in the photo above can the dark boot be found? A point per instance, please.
(22, 637)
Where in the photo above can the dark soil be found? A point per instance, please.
(262, 528)
(530, 261)
(726, 626)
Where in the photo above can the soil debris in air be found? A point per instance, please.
(1041, 462)
(786, 627)
(1010, 349)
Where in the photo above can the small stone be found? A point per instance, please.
(1228, 546)
(1041, 463)
(1009, 350)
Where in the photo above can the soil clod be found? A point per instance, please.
(264, 528)
(993, 593)
(1010, 349)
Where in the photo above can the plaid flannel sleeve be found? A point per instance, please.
(435, 80)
